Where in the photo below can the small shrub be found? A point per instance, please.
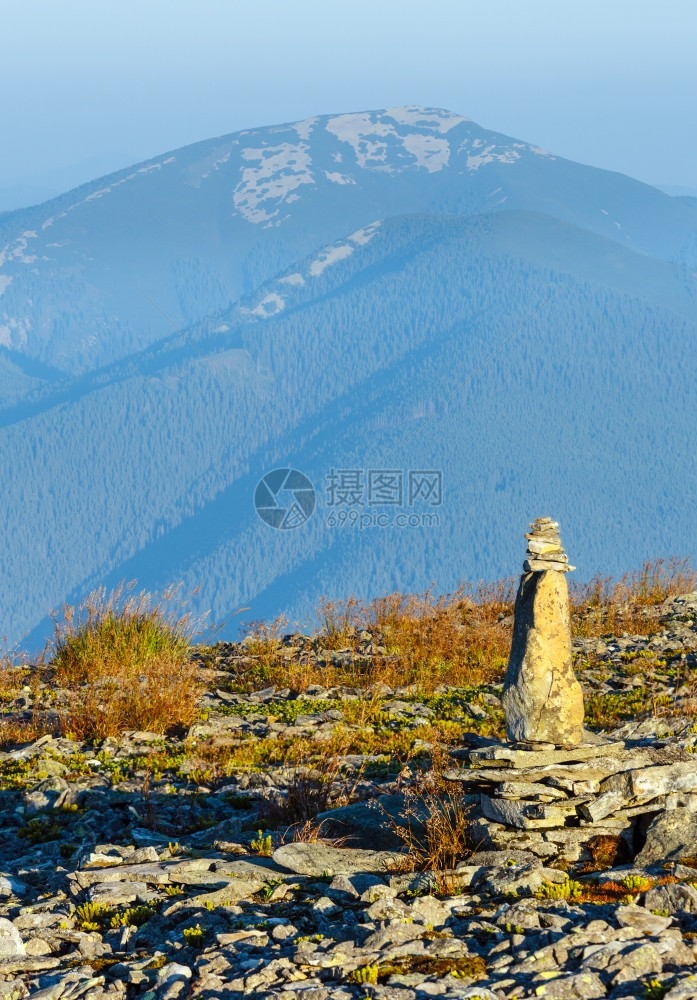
(194, 936)
(132, 917)
(125, 662)
(635, 883)
(568, 889)
(39, 830)
(262, 844)
(366, 974)
(91, 916)
(654, 989)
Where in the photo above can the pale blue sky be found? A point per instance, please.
(610, 83)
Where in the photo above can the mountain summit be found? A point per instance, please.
(198, 227)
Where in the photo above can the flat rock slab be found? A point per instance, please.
(118, 893)
(319, 859)
(525, 759)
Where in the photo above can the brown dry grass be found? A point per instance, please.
(436, 826)
(15, 675)
(316, 785)
(124, 659)
(458, 639)
(609, 607)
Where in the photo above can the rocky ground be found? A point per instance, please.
(157, 867)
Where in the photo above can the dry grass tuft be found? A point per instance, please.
(436, 827)
(607, 607)
(458, 639)
(317, 784)
(124, 658)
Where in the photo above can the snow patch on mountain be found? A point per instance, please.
(433, 118)
(380, 142)
(487, 154)
(305, 127)
(336, 178)
(270, 305)
(328, 257)
(292, 279)
(277, 172)
(365, 235)
(428, 151)
(219, 156)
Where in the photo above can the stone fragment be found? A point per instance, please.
(579, 986)
(11, 945)
(674, 898)
(524, 815)
(642, 919)
(525, 759)
(671, 836)
(542, 700)
(319, 859)
(116, 893)
(521, 878)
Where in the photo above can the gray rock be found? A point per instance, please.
(518, 879)
(671, 836)
(641, 918)
(372, 825)
(580, 986)
(319, 859)
(10, 940)
(116, 893)
(674, 898)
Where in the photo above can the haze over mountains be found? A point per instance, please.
(348, 280)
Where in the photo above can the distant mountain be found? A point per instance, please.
(502, 349)
(198, 227)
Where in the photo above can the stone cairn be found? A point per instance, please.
(555, 786)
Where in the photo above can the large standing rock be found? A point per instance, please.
(542, 700)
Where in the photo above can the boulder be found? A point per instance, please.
(319, 859)
(671, 836)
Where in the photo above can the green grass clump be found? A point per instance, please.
(40, 829)
(194, 936)
(568, 889)
(132, 917)
(262, 844)
(366, 974)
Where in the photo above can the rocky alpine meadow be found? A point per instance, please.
(341, 814)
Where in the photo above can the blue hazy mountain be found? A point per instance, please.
(198, 227)
(515, 357)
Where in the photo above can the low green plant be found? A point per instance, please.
(654, 989)
(40, 829)
(263, 845)
(91, 916)
(132, 917)
(194, 936)
(366, 974)
(174, 890)
(568, 889)
(636, 883)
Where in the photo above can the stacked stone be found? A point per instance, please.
(545, 550)
(542, 700)
(552, 801)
